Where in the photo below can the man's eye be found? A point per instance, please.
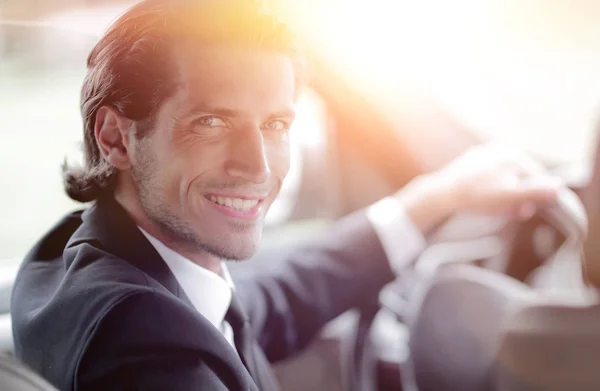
(211, 121)
(277, 126)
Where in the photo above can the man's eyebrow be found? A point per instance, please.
(232, 113)
(208, 109)
(285, 113)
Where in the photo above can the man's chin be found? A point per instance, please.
(235, 246)
(230, 254)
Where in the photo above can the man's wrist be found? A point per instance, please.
(429, 201)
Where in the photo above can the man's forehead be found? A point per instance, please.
(217, 64)
(226, 75)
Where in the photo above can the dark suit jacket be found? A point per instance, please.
(95, 307)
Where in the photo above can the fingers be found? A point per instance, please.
(497, 178)
(526, 211)
(535, 184)
(508, 159)
(529, 167)
(542, 191)
(521, 198)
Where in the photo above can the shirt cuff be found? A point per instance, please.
(401, 240)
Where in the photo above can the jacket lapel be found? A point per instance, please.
(107, 225)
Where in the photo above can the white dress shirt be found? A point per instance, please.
(401, 240)
(211, 294)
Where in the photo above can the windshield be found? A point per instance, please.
(521, 71)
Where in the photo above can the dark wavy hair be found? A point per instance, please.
(130, 68)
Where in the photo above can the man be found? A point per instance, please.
(186, 109)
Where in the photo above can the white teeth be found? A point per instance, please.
(249, 204)
(234, 203)
(237, 203)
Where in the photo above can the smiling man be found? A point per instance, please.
(186, 108)
(213, 157)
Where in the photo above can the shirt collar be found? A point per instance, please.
(209, 292)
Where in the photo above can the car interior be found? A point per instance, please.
(396, 89)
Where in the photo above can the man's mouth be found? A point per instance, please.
(240, 204)
(247, 208)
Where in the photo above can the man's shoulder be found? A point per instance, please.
(69, 293)
(85, 273)
(66, 285)
(87, 262)
(93, 291)
(88, 299)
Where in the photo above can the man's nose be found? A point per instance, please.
(248, 158)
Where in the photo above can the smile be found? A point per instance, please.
(234, 203)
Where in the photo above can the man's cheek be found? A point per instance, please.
(189, 170)
(279, 160)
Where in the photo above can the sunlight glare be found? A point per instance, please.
(524, 71)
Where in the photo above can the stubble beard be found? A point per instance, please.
(176, 229)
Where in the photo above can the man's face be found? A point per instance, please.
(218, 151)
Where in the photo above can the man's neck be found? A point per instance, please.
(133, 207)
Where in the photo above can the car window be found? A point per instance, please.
(520, 71)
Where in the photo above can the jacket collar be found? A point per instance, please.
(108, 226)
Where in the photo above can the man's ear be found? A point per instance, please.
(111, 130)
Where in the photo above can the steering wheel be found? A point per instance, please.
(567, 215)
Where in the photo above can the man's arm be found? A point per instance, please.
(349, 266)
(313, 284)
(148, 341)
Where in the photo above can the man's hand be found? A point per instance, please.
(489, 179)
